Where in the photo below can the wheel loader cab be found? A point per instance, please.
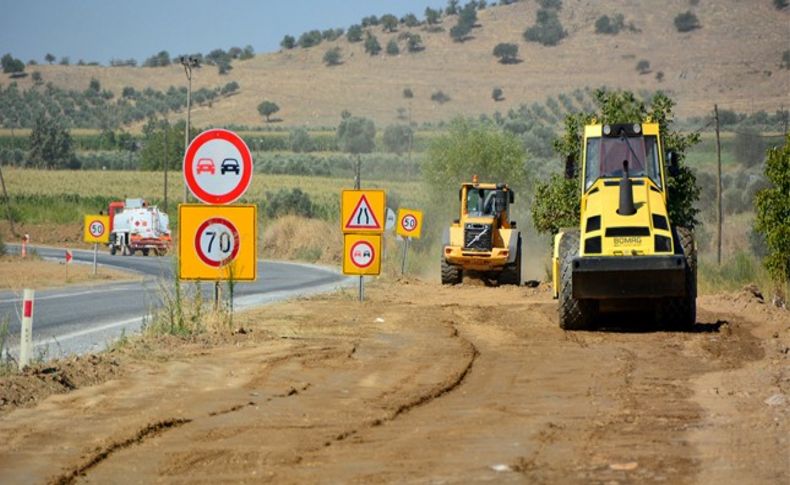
(626, 249)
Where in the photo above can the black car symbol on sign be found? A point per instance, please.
(230, 165)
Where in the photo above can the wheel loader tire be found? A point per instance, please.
(574, 314)
(681, 313)
(511, 275)
(451, 275)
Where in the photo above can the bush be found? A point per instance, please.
(749, 147)
(389, 22)
(643, 66)
(288, 42)
(460, 32)
(354, 33)
(397, 138)
(410, 20)
(310, 39)
(299, 140)
(506, 52)
(773, 212)
(686, 22)
(547, 30)
(414, 43)
(288, 202)
(780, 4)
(785, 60)
(3, 250)
(392, 48)
(432, 17)
(332, 57)
(356, 135)
(555, 4)
(372, 45)
(497, 94)
(440, 97)
(609, 25)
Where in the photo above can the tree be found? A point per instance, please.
(432, 16)
(643, 66)
(748, 147)
(50, 145)
(49, 58)
(267, 109)
(497, 94)
(247, 53)
(161, 140)
(389, 22)
(686, 22)
(288, 42)
(410, 20)
(773, 212)
(507, 53)
(372, 45)
(332, 57)
(473, 148)
(609, 25)
(397, 137)
(370, 21)
(452, 7)
(11, 65)
(557, 202)
(299, 140)
(547, 29)
(354, 33)
(460, 31)
(309, 39)
(64, 61)
(392, 48)
(356, 135)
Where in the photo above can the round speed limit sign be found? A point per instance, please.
(96, 228)
(409, 223)
(217, 242)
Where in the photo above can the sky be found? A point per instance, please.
(100, 30)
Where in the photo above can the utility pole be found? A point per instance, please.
(166, 127)
(188, 62)
(718, 185)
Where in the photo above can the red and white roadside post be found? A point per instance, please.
(26, 335)
(25, 240)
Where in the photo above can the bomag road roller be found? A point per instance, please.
(627, 255)
(483, 240)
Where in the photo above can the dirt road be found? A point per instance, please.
(424, 383)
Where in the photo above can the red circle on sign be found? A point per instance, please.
(100, 224)
(199, 250)
(403, 223)
(189, 160)
(372, 254)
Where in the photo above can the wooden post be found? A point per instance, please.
(718, 185)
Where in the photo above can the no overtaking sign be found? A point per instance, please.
(218, 167)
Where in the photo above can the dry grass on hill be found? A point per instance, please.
(732, 60)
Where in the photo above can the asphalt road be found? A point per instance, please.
(78, 319)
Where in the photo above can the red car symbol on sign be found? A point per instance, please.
(206, 165)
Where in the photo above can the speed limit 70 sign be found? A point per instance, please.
(96, 229)
(217, 242)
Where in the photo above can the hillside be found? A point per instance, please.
(733, 60)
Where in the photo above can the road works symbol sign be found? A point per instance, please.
(217, 242)
(409, 223)
(362, 254)
(362, 211)
(96, 229)
(218, 167)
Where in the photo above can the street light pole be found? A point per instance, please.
(188, 62)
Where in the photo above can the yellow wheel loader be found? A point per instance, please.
(483, 240)
(627, 254)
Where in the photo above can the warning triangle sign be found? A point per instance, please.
(362, 217)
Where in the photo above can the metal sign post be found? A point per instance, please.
(95, 256)
(406, 242)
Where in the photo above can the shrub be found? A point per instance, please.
(440, 97)
(785, 60)
(299, 140)
(506, 52)
(748, 147)
(432, 17)
(397, 138)
(370, 21)
(354, 33)
(372, 45)
(643, 66)
(609, 25)
(288, 202)
(410, 20)
(332, 57)
(780, 4)
(414, 43)
(392, 48)
(460, 32)
(497, 94)
(309, 39)
(686, 22)
(547, 30)
(555, 4)
(3, 250)
(660, 76)
(408, 93)
(356, 135)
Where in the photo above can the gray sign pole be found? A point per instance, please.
(358, 185)
(95, 256)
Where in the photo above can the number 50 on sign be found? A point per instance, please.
(217, 242)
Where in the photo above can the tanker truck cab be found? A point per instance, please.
(627, 254)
